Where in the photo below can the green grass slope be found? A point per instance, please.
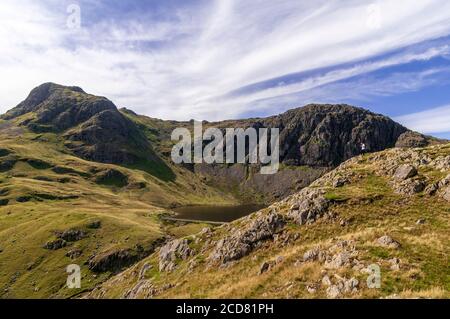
(44, 190)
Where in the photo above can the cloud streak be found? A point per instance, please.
(186, 64)
(436, 120)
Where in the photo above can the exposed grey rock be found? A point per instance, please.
(311, 255)
(326, 281)
(338, 260)
(341, 286)
(169, 253)
(143, 270)
(71, 235)
(441, 163)
(143, 287)
(340, 181)
(444, 182)
(74, 253)
(266, 266)
(242, 241)
(55, 244)
(315, 254)
(405, 171)
(351, 285)
(388, 241)
(309, 205)
(431, 189)
(334, 291)
(411, 139)
(409, 187)
(395, 263)
(311, 288)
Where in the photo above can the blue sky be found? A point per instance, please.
(216, 59)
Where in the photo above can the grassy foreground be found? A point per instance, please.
(362, 210)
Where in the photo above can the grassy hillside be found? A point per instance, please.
(364, 212)
(44, 191)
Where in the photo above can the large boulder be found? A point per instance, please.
(308, 206)
(242, 241)
(405, 171)
(388, 241)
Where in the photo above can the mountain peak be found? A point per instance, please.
(44, 97)
(92, 127)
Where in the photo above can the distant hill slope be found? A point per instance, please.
(388, 210)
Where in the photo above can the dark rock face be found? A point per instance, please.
(248, 179)
(315, 138)
(113, 260)
(108, 137)
(112, 177)
(116, 259)
(326, 135)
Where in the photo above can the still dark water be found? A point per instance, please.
(216, 213)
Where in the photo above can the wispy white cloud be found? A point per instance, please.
(436, 120)
(182, 69)
(362, 89)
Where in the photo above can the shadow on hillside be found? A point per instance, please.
(156, 168)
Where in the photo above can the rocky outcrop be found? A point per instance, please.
(112, 260)
(55, 244)
(412, 139)
(115, 259)
(74, 253)
(341, 286)
(71, 235)
(308, 205)
(409, 187)
(315, 137)
(404, 172)
(327, 135)
(171, 252)
(242, 241)
(388, 241)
